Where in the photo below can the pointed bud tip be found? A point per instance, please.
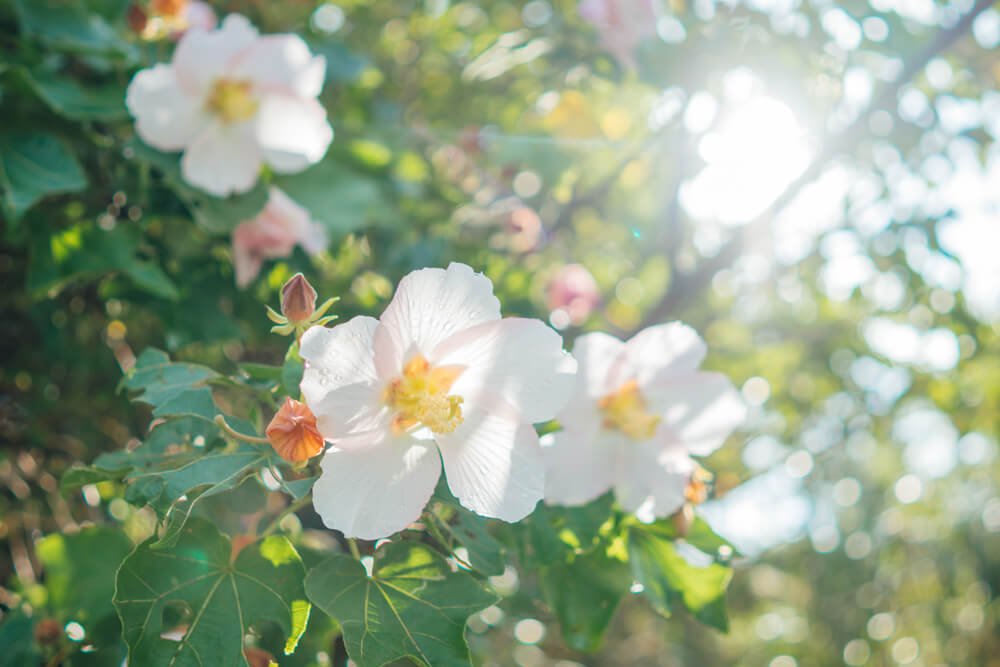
(298, 299)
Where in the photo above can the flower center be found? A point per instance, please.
(420, 396)
(625, 410)
(232, 101)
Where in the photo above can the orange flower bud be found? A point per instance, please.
(298, 299)
(168, 8)
(293, 432)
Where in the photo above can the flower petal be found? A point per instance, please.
(293, 132)
(223, 159)
(579, 466)
(375, 491)
(429, 306)
(699, 409)
(659, 352)
(493, 465)
(166, 117)
(651, 479)
(595, 354)
(516, 359)
(339, 383)
(203, 56)
(282, 63)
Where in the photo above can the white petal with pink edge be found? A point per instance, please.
(293, 132)
(375, 491)
(579, 465)
(167, 117)
(520, 360)
(493, 465)
(429, 306)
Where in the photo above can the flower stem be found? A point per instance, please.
(220, 421)
(353, 546)
(290, 509)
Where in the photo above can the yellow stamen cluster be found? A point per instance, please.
(420, 396)
(625, 410)
(232, 101)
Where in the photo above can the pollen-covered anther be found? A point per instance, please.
(625, 410)
(420, 396)
(232, 101)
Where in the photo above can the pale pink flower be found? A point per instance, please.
(439, 378)
(640, 410)
(232, 101)
(573, 291)
(621, 24)
(274, 233)
(200, 16)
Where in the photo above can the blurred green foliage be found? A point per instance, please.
(864, 488)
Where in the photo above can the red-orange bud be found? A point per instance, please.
(257, 657)
(293, 432)
(168, 8)
(298, 299)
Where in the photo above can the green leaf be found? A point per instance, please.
(412, 606)
(67, 98)
(33, 166)
(335, 195)
(668, 578)
(486, 553)
(220, 600)
(584, 594)
(551, 532)
(86, 251)
(17, 646)
(66, 24)
(172, 388)
(80, 573)
(218, 216)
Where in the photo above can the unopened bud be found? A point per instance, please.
(48, 631)
(293, 432)
(298, 299)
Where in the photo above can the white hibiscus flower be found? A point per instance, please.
(640, 409)
(439, 378)
(233, 101)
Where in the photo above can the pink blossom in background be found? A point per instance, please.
(232, 101)
(573, 292)
(621, 24)
(274, 233)
(200, 16)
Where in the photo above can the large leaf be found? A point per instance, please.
(172, 388)
(216, 215)
(33, 166)
(66, 24)
(220, 599)
(551, 533)
(68, 98)
(584, 594)
(85, 251)
(17, 646)
(460, 527)
(668, 578)
(412, 606)
(336, 196)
